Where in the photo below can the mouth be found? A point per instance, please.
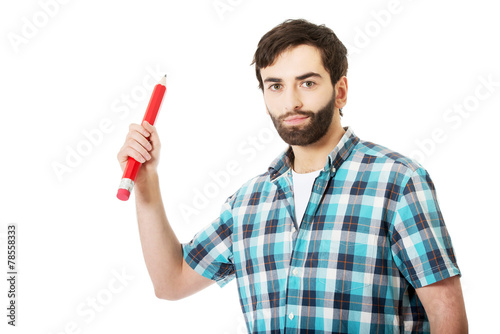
(295, 120)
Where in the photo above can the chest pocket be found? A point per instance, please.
(347, 266)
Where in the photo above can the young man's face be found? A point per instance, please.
(299, 95)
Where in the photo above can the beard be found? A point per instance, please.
(303, 135)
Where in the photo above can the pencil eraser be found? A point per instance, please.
(123, 194)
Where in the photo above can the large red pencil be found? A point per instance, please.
(132, 167)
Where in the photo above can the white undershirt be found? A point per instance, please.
(302, 188)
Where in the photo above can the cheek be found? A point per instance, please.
(312, 103)
(271, 103)
(319, 100)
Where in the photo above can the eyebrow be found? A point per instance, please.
(300, 77)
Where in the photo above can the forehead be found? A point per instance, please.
(295, 61)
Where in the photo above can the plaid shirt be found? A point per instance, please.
(372, 233)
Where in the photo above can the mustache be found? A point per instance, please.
(297, 113)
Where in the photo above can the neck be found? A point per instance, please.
(313, 157)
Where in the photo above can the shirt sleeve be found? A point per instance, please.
(421, 246)
(210, 253)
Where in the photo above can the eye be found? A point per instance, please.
(275, 87)
(308, 84)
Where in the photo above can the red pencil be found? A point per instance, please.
(130, 172)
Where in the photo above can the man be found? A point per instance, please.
(340, 235)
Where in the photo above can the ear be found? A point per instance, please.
(341, 92)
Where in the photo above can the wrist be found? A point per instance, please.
(147, 185)
(146, 177)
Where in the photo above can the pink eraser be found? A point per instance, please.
(123, 194)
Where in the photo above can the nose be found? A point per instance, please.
(292, 100)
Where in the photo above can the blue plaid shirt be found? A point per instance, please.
(372, 233)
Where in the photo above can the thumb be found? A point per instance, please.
(153, 137)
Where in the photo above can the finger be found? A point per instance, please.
(134, 135)
(152, 130)
(142, 153)
(129, 152)
(138, 128)
(148, 127)
(126, 152)
(133, 149)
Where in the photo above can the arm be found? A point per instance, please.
(172, 278)
(423, 250)
(444, 305)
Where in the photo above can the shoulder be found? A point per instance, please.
(257, 185)
(263, 184)
(367, 152)
(385, 166)
(385, 155)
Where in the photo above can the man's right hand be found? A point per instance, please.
(143, 144)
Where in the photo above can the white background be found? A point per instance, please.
(65, 73)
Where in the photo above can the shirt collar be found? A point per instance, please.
(333, 162)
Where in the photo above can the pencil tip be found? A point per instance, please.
(163, 80)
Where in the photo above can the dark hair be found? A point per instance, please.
(292, 33)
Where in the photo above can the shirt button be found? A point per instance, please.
(290, 316)
(295, 272)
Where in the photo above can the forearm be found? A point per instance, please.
(444, 305)
(160, 246)
(449, 324)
